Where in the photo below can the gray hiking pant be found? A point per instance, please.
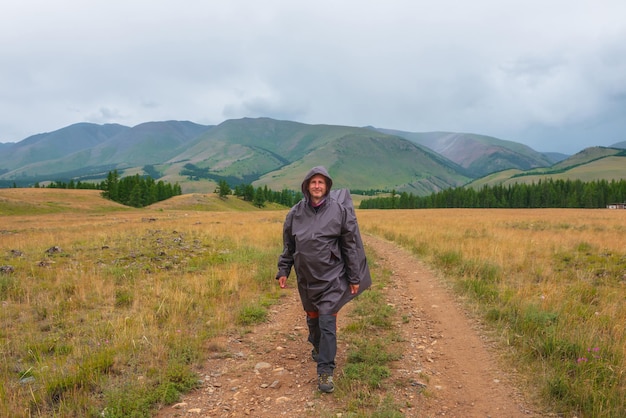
(323, 336)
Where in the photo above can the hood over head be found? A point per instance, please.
(316, 170)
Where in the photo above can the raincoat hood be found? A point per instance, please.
(314, 171)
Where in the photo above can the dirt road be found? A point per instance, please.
(449, 363)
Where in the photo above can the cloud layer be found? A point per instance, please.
(548, 74)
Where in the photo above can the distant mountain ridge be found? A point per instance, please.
(58, 144)
(265, 151)
(479, 154)
(89, 145)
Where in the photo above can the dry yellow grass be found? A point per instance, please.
(109, 298)
(45, 201)
(554, 280)
(134, 295)
(541, 253)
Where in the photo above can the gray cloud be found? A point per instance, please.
(548, 74)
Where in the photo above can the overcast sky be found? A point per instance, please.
(547, 73)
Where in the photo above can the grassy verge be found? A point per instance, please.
(550, 283)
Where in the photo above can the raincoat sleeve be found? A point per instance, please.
(352, 248)
(285, 260)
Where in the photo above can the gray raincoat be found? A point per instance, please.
(325, 249)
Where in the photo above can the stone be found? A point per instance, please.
(54, 249)
(262, 365)
(7, 269)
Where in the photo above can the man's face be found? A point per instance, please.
(317, 187)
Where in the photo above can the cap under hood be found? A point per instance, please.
(314, 171)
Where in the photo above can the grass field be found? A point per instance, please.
(106, 310)
(93, 293)
(552, 282)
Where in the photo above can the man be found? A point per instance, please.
(321, 240)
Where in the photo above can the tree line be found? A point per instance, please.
(548, 193)
(70, 185)
(258, 196)
(140, 191)
(137, 191)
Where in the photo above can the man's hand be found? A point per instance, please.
(354, 288)
(282, 282)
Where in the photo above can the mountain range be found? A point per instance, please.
(277, 154)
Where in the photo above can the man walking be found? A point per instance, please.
(321, 240)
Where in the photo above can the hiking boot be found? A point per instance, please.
(314, 354)
(325, 383)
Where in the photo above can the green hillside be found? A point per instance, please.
(84, 151)
(586, 156)
(365, 161)
(277, 154)
(479, 154)
(40, 149)
(591, 164)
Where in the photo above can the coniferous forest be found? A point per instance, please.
(544, 194)
(141, 191)
(137, 191)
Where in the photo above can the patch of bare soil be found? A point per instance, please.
(448, 368)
